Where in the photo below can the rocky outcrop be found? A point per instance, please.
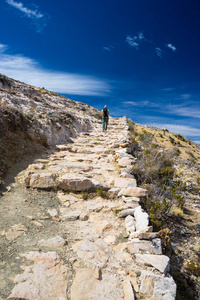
(32, 118)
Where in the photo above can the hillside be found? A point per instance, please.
(34, 119)
(74, 203)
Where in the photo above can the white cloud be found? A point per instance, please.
(28, 12)
(134, 41)
(170, 46)
(131, 41)
(29, 71)
(158, 52)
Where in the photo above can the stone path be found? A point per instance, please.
(104, 247)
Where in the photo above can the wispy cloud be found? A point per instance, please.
(28, 12)
(181, 129)
(35, 15)
(134, 103)
(29, 71)
(186, 110)
(170, 46)
(3, 47)
(108, 48)
(159, 52)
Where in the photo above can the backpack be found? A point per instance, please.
(105, 112)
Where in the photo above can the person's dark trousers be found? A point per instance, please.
(104, 123)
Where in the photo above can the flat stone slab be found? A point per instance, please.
(124, 182)
(77, 183)
(56, 241)
(134, 192)
(46, 279)
(151, 247)
(90, 252)
(159, 262)
(125, 161)
(90, 284)
(15, 231)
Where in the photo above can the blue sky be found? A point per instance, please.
(140, 57)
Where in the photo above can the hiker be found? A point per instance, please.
(105, 113)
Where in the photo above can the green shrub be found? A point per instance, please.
(147, 152)
(193, 268)
(154, 145)
(172, 140)
(84, 195)
(180, 137)
(101, 193)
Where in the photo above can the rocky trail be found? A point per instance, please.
(72, 226)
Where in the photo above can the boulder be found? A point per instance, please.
(72, 183)
(42, 181)
(157, 287)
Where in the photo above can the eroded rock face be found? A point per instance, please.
(32, 118)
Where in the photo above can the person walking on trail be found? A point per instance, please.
(105, 113)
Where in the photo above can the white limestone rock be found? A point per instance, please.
(159, 262)
(130, 224)
(142, 218)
